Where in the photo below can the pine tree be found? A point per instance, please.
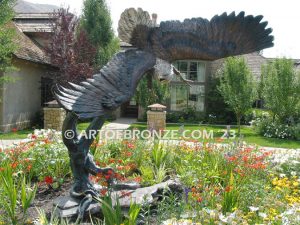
(97, 22)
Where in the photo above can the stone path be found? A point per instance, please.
(119, 124)
(8, 143)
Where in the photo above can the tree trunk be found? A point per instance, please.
(239, 124)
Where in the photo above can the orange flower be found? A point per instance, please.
(228, 188)
(138, 179)
(111, 160)
(29, 167)
(193, 189)
(199, 200)
(232, 158)
(14, 165)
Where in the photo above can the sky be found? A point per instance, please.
(283, 16)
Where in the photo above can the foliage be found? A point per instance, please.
(233, 183)
(281, 89)
(96, 21)
(187, 115)
(15, 190)
(158, 92)
(217, 111)
(7, 45)
(69, 49)
(237, 86)
(274, 129)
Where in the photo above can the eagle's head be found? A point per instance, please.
(163, 70)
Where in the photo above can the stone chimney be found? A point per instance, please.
(154, 19)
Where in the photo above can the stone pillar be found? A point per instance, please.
(156, 117)
(53, 116)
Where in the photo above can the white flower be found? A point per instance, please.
(263, 215)
(253, 209)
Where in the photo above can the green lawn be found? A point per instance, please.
(249, 135)
(22, 134)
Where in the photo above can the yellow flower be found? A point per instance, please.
(295, 184)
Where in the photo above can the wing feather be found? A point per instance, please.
(198, 38)
(113, 85)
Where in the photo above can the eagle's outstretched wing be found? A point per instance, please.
(114, 85)
(198, 38)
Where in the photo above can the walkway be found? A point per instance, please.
(119, 124)
(8, 143)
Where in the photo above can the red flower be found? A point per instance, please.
(130, 145)
(33, 136)
(107, 177)
(103, 192)
(110, 172)
(14, 130)
(48, 180)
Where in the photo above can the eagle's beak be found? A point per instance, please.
(176, 72)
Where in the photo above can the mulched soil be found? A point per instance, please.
(44, 198)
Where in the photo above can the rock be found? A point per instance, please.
(67, 206)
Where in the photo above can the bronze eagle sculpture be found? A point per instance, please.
(153, 47)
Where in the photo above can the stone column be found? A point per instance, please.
(53, 116)
(156, 117)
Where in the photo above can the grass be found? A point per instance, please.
(22, 134)
(249, 134)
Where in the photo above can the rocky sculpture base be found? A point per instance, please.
(67, 207)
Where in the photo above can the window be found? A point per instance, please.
(192, 70)
(183, 96)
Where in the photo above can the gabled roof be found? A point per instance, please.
(34, 22)
(28, 7)
(27, 49)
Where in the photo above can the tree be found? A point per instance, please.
(281, 89)
(97, 23)
(7, 45)
(69, 49)
(157, 92)
(237, 87)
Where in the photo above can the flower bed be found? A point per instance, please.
(223, 184)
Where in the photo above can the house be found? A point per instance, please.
(22, 99)
(183, 96)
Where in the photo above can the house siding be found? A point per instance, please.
(21, 99)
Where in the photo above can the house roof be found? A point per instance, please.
(27, 49)
(33, 22)
(28, 7)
